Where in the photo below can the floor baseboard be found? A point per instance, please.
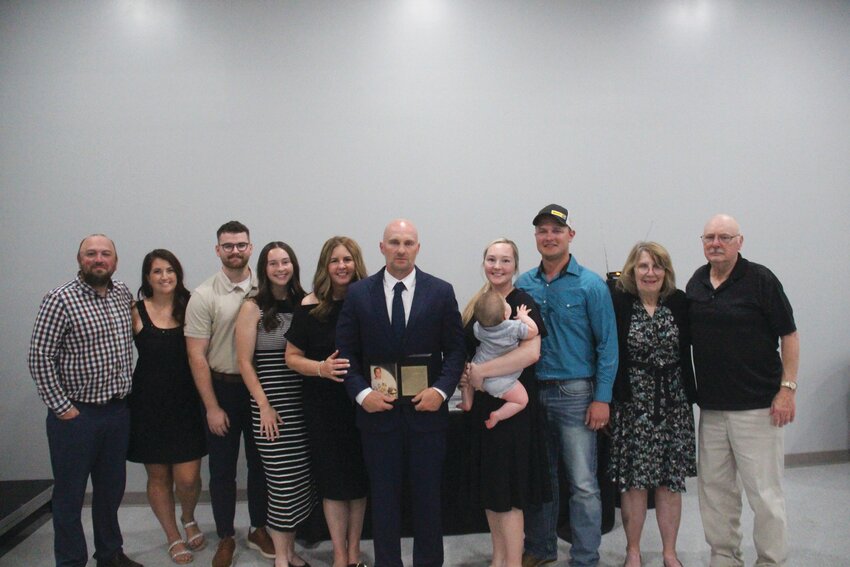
(817, 458)
(791, 461)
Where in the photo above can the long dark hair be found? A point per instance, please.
(265, 298)
(181, 294)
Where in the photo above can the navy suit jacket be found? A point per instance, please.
(364, 336)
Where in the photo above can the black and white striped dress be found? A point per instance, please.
(286, 460)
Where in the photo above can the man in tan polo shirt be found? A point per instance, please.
(210, 321)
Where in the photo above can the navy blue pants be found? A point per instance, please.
(420, 456)
(92, 444)
(235, 400)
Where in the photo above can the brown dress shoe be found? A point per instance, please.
(224, 552)
(118, 560)
(529, 560)
(261, 541)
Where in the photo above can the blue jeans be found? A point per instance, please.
(564, 406)
(93, 444)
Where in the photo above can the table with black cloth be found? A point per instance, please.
(459, 517)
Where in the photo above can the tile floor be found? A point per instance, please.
(818, 501)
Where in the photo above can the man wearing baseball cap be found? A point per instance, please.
(575, 373)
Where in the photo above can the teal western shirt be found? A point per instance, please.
(579, 316)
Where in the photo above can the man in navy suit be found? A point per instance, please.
(388, 317)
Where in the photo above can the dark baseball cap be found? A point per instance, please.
(557, 212)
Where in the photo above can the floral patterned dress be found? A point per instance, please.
(653, 433)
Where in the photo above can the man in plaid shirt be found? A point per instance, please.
(81, 360)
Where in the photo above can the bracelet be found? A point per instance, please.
(319, 369)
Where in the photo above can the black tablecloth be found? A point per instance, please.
(458, 516)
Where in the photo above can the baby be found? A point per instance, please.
(499, 334)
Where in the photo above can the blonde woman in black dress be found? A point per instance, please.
(507, 464)
(334, 439)
(166, 422)
(277, 408)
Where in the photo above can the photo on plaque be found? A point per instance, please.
(384, 380)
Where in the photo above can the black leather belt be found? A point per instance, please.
(224, 377)
(113, 400)
(558, 382)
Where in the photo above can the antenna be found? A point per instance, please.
(610, 277)
(604, 246)
(605, 252)
(646, 238)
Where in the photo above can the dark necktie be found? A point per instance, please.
(398, 312)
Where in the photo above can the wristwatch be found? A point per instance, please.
(789, 384)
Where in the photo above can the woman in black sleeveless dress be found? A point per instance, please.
(508, 470)
(166, 422)
(334, 439)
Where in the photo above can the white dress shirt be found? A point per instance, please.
(409, 282)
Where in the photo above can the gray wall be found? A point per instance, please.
(155, 121)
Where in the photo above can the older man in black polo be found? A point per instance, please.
(745, 388)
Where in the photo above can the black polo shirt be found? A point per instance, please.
(735, 331)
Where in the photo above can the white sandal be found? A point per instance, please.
(185, 553)
(190, 541)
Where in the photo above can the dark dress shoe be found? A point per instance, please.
(119, 560)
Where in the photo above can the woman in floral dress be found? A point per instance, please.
(653, 426)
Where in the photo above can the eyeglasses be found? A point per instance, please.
(723, 238)
(240, 246)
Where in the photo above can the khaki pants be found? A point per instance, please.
(741, 448)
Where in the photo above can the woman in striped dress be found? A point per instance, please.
(278, 416)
